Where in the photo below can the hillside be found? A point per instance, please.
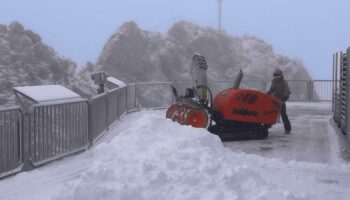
(135, 55)
(26, 60)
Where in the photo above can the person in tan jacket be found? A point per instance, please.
(280, 89)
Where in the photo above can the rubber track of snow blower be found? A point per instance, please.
(239, 134)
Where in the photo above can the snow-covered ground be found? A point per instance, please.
(313, 139)
(147, 157)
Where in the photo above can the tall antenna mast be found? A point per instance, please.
(219, 7)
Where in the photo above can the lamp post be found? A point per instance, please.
(219, 8)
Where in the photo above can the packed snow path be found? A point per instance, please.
(312, 139)
(148, 157)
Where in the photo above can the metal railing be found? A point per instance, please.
(30, 138)
(54, 131)
(154, 95)
(322, 90)
(301, 90)
(341, 93)
(105, 109)
(10, 137)
(98, 113)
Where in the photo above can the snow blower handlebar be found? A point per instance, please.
(238, 79)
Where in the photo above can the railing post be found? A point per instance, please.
(20, 137)
(336, 84)
(346, 64)
(107, 112)
(135, 100)
(312, 91)
(22, 145)
(333, 84)
(90, 131)
(126, 94)
(118, 98)
(171, 92)
(264, 86)
(26, 140)
(309, 88)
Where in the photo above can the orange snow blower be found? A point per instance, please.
(234, 114)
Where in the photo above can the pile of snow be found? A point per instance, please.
(154, 158)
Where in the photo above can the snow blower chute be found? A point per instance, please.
(233, 114)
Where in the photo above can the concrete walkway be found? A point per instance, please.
(313, 138)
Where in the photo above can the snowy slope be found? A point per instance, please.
(148, 157)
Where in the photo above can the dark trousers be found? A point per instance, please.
(286, 122)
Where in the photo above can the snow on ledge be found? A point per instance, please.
(116, 82)
(44, 93)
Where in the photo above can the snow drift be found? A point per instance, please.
(154, 158)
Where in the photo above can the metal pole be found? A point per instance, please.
(309, 90)
(126, 99)
(90, 131)
(336, 87)
(26, 141)
(333, 86)
(347, 66)
(107, 110)
(219, 8)
(135, 105)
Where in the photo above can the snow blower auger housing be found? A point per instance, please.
(234, 114)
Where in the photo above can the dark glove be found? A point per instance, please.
(285, 98)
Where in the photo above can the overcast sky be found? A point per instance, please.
(309, 29)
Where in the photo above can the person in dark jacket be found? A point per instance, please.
(280, 89)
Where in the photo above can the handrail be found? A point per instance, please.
(9, 108)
